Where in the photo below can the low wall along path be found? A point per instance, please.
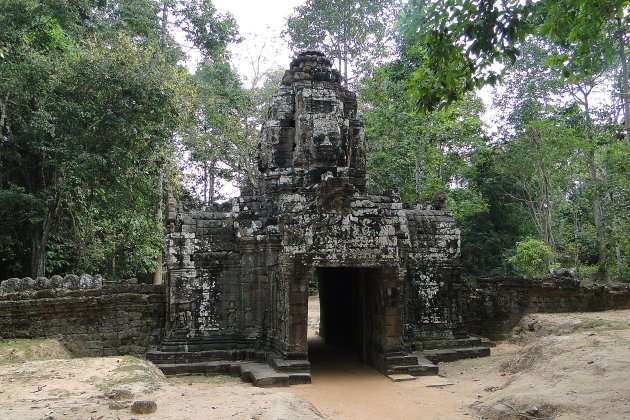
(89, 317)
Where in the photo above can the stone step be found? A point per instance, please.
(401, 377)
(486, 342)
(403, 359)
(299, 378)
(180, 357)
(447, 355)
(183, 368)
(289, 365)
(416, 365)
(204, 343)
(425, 369)
(447, 343)
(259, 374)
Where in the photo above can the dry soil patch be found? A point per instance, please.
(563, 366)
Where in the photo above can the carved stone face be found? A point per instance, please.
(326, 138)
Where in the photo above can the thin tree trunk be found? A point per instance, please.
(576, 255)
(417, 179)
(39, 241)
(205, 183)
(345, 64)
(548, 217)
(625, 95)
(211, 180)
(602, 270)
(157, 276)
(40, 235)
(544, 195)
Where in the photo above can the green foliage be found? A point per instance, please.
(489, 236)
(459, 45)
(91, 96)
(417, 154)
(221, 136)
(446, 150)
(555, 169)
(455, 45)
(587, 274)
(209, 31)
(351, 32)
(532, 257)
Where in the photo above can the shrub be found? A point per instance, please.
(587, 273)
(532, 258)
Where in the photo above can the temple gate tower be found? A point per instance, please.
(239, 272)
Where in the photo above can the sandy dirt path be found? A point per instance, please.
(560, 366)
(344, 388)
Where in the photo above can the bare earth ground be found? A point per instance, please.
(563, 366)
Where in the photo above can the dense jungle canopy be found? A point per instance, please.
(100, 118)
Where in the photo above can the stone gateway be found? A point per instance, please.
(239, 273)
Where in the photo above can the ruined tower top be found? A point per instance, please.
(311, 65)
(312, 128)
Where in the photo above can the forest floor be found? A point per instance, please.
(562, 366)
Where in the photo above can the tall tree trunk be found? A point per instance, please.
(211, 181)
(205, 183)
(625, 95)
(576, 254)
(417, 178)
(40, 233)
(345, 64)
(157, 276)
(602, 270)
(544, 194)
(548, 217)
(39, 241)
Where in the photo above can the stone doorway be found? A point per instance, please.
(352, 311)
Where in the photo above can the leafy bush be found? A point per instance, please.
(622, 275)
(532, 258)
(587, 273)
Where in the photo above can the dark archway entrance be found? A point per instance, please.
(351, 310)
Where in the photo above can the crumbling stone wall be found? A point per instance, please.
(203, 262)
(70, 281)
(492, 306)
(107, 320)
(433, 269)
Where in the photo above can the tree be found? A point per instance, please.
(418, 154)
(209, 31)
(554, 144)
(491, 230)
(463, 44)
(91, 97)
(348, 31)
(218, 139)
(456, 46)
(592, 33)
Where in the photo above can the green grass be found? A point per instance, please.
(604, 325)
(14, 351)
